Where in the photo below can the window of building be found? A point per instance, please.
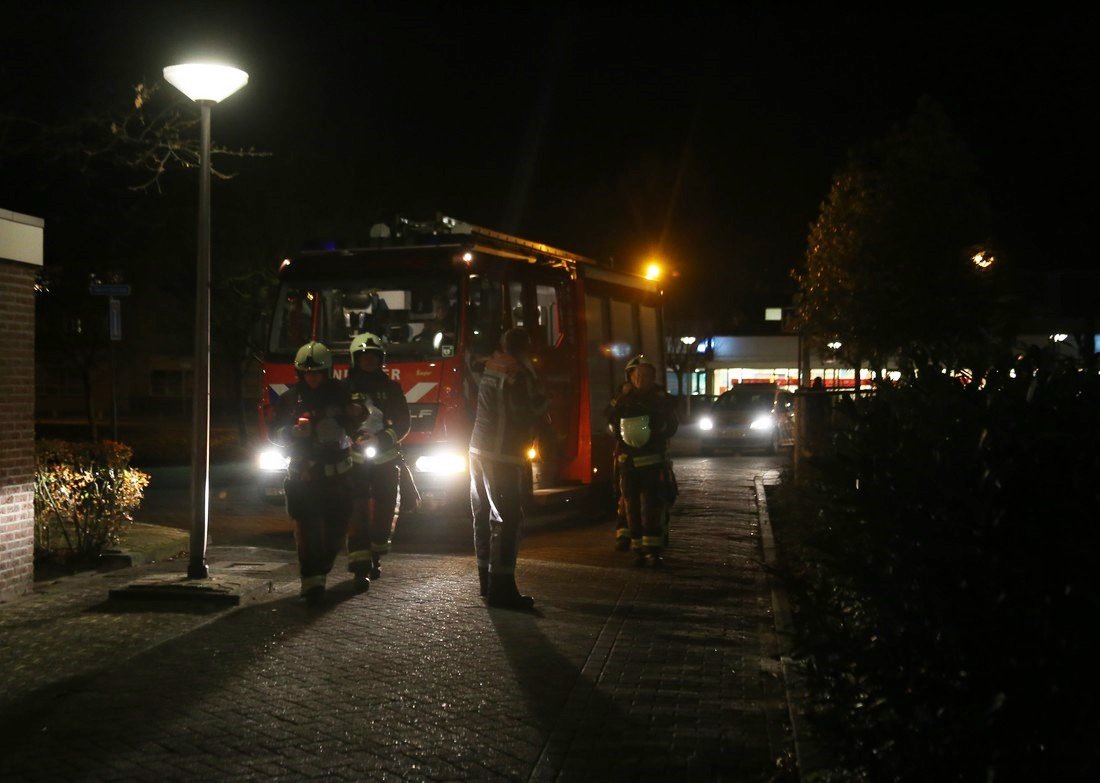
(172, 384)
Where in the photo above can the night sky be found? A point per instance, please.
(706, 132)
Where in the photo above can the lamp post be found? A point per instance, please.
(206, 84)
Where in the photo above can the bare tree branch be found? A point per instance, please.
(157, 133)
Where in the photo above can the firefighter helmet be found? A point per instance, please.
(638, 361)
(367, 342)
(313, 357)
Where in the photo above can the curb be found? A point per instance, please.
(793, 677)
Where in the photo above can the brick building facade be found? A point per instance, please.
(20, 259)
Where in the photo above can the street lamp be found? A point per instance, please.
(206, 84)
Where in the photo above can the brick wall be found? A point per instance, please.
(16, 428)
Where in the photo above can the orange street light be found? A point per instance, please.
(982, 259)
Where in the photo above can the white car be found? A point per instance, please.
(748, 416)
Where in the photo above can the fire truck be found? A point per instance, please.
(440, 294)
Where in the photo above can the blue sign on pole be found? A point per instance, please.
(109, 289)
(114, 319)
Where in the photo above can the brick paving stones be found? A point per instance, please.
(639, 674)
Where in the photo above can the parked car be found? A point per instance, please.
(749, 416)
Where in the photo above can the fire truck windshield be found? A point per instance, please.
(415, 316)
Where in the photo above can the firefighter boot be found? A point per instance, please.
(361, 580)
(503, 594)
(376, 568)
(483, 580)
(315, 596)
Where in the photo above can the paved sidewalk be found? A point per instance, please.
(623, 674)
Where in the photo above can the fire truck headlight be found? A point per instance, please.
(762, 423)
(272, 459)
(706, 423)
(442, 462)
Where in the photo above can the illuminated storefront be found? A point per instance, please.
(729, 360)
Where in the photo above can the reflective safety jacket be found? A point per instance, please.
(378, 390)
(510, 404)
(643, 422)
(325, 451)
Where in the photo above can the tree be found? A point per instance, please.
(158, 131)
(122, 152)
(684, 358)
(888, 268)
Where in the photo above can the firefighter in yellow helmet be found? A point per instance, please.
(381, 413)
(311, 424)
(643, 419)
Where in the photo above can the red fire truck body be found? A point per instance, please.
(440, 296)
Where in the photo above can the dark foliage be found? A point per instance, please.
(945, 576)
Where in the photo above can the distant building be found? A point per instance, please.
(727, 360)
(1059, 310)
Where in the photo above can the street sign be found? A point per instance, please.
(114, 318)
(109, 289)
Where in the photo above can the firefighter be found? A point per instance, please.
(382, 422)
(311, 424)
(644, 419)
(622, 528)
(510, 405)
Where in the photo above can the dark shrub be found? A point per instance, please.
(945, 586)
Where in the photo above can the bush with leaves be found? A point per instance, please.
(84, 495)
(946, 585)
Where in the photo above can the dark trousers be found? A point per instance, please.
(644, 492)
(320, 508)
(373, 512)
(496, 500)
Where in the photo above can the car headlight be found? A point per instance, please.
(445, 462)
(706, 423)
(272, 459)
(762, 423)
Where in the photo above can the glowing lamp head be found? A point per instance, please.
(653, 271)
(206, 81)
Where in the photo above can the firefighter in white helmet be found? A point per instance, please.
(643, 419)
(311, 424)
(381, 413)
